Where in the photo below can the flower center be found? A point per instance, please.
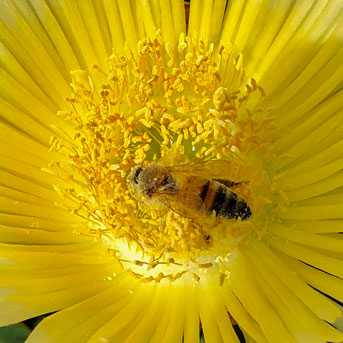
(155, 106)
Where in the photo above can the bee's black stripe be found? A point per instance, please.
(242, 209)
(219, 200)
(226, 203)
(204, 190)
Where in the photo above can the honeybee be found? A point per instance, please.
(190, 189)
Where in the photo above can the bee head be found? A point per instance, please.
(151, 178)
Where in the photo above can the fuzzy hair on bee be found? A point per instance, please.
(189, 190)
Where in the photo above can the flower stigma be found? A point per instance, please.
(167, 107)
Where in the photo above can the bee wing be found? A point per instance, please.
(183, 212)
(218, 170)
(185, 208)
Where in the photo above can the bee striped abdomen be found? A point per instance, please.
(204, 190)
(219, 198)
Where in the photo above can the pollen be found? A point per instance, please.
(158, 105)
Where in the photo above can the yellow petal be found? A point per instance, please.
(326, 263)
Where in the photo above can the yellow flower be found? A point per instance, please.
(245, 91)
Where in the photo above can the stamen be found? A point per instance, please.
(154, 105)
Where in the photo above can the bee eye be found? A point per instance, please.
(135, 176)
(166, 180)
